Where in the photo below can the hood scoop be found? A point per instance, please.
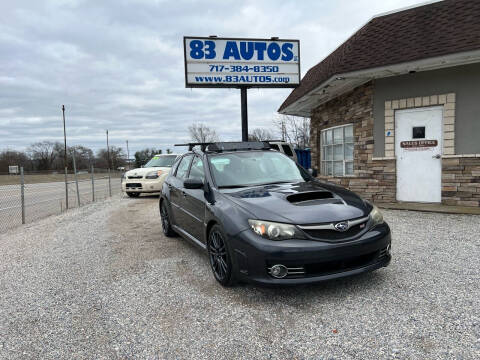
(313, 198)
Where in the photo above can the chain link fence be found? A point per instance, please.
(30, 196)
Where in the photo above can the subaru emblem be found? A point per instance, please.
(341, 226)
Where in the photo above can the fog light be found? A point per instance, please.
(278, 271)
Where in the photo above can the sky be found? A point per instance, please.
(118, 65)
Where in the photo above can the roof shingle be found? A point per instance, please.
(442, 28)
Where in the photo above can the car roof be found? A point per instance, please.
(214, 153)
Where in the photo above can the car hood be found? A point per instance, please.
(143, 171)
(310, 202)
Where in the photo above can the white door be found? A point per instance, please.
(418, 148)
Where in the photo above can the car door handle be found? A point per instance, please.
(438, 156)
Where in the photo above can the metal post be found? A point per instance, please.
(76, 179)
(108, 159)
(22, 193)
(243, 100)
(93, 187)
(65, 158)
(128, 157)
(109, 184)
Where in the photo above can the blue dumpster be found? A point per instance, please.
(304, 157)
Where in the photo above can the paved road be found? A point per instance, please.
(44, 199)
(102, 282)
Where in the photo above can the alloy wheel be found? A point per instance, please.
(218, 256)
(165, 220)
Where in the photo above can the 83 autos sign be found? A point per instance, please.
(228, 62)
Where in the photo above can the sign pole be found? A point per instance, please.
(243, 100)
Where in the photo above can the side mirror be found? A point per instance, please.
(313, 172)
(193, 183)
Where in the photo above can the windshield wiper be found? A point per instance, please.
(274, 182)
(233, 186)
(253, 185)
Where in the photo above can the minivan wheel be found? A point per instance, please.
(166, 224)
(133, 194)
(220, 257)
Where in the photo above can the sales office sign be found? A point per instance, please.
(232, 62)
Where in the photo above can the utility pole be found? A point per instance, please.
(128, 156)
(108, 153)
(65, 157)
(108, 160)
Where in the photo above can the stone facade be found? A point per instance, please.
(375, 178)
(461, 180)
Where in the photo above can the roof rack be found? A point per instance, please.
(203, 145)
(229, 146)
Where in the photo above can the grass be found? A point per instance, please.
(45, 178)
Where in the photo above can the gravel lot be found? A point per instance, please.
(102, 282)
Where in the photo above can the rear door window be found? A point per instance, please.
(182, 169)
(197, 171)
(175, 164)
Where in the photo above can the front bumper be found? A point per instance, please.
(318, 260)
(143, 185)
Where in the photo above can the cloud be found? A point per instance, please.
(118, 65)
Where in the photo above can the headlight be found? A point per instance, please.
(275, 231)
(153, 174)
(376, 216)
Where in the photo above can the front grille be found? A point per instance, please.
(334, 235)
(330, 267)
(135, 177)
(134, 185)
(299, 270)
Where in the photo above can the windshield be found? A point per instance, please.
(254, 168)
(161, 161)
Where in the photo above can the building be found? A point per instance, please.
(395, 109)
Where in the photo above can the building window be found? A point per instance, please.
(337, 151)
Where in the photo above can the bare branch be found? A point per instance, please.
(259, 134)
(202, 133)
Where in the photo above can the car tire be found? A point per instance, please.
(133, 194)
(166, 224)
(220, 256)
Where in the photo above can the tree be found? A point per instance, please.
(13, 157)
(143, 156)
(59, 150)
(294, 130)
(114, 160)
(83, 156)
(201, 133)
(43, 154)
(259, 134)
